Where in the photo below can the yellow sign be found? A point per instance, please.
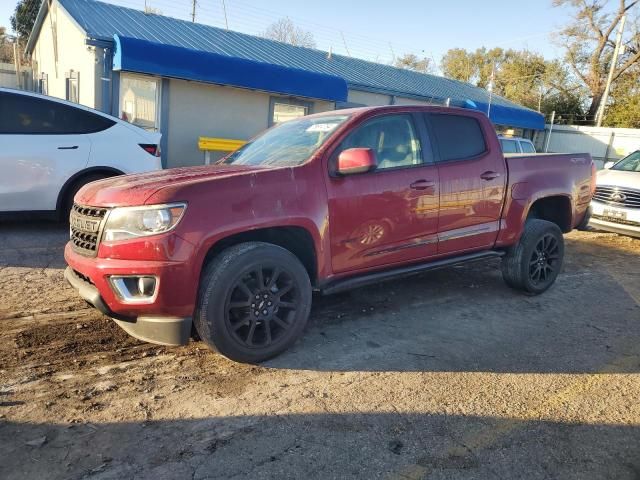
(219, 144)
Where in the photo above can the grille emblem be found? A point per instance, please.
(85, 225)
(618, 197)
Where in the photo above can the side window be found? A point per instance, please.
(393, 139)
(509, 146)
(140, 100)
(527, 147)
(24, 114)
(282, 109)
(458, 136)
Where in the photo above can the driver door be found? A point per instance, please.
(389, 215)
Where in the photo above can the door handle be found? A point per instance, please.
(422, 184)
(489, 175)
(74, 147)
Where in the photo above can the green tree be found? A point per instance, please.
(410, 61)
(624, 109)
(24, 16)
(522, 76)
(589, 40)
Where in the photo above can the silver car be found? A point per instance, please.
(616, 203)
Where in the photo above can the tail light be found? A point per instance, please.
(151, 149)
(593, 178)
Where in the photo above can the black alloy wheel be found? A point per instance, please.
(254, 301)
(544, 260)
(261, 306)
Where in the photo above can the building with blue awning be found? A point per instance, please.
(190, 80)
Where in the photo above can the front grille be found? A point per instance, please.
(617, 196)
(86, 227)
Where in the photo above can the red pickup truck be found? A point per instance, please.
(326, 202)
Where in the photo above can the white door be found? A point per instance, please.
(40, 149)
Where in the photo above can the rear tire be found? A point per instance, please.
(534, 263)
(254, 302)
(67, 203)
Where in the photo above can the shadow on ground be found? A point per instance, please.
(322, 446)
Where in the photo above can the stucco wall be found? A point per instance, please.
(72, 54)
(201, 110)
(368, 98)
(410, 101)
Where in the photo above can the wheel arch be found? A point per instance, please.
(71, 181)
(556, 209)
(296, 239)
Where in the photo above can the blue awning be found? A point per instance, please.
(143, 56)
(508, 116)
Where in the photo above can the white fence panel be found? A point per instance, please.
(603, 143)
(9, 79)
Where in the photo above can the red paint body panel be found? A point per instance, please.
(358, 223)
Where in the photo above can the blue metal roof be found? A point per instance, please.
(102, 21)
(135, 55)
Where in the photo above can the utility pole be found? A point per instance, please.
(490, 88)
(548, 139)
(16, 58)
(193, 10)
(226, 21)
(614, 61)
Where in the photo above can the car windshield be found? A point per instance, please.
(288, 144)
(630, 163)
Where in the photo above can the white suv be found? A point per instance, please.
(616, 203)
(50, 148)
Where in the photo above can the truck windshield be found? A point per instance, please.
(288, 144)
(629, 164)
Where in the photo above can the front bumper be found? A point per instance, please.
(628, 222)
(154, 329)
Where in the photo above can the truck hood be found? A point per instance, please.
(130, 190)
(618, 178)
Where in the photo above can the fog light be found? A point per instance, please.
(134, 288)
(146, 286)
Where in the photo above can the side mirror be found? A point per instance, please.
(356, 160)
(608, 165)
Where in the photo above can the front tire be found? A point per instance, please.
(534, 263)
(254, 302)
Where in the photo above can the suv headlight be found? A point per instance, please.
(131, 222)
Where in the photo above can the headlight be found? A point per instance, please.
(130, 222)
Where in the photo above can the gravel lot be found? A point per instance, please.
(447, 375)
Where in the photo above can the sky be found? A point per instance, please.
(380, 30)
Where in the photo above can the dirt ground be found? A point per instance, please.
(448, 375)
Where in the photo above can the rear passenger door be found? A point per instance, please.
(472, 177)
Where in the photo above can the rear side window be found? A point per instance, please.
(509, 146)
(23, 115)
(458, 137)
(527, 147)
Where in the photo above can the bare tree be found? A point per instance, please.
(409, 61)
(6, 47)
(284, 30)
(589, 41)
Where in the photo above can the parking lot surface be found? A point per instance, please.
(447, 375)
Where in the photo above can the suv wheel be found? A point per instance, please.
(535, 262)
(254, 302)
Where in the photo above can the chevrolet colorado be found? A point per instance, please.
(326, 202)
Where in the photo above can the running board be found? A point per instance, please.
(367, 279)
